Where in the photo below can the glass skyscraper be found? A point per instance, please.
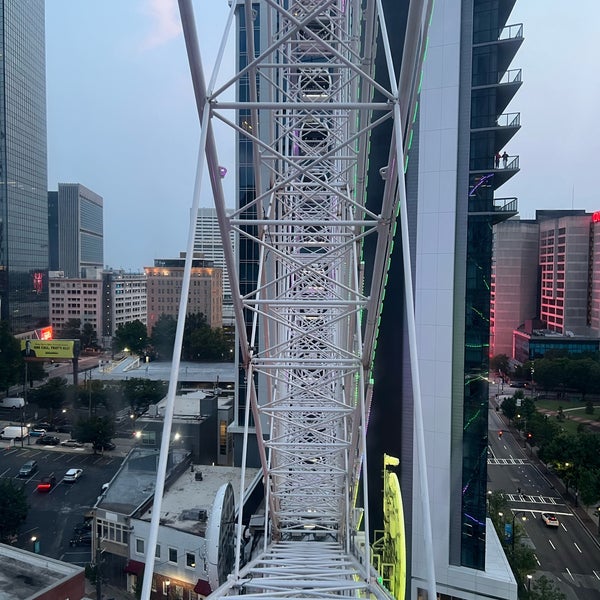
(23, 166)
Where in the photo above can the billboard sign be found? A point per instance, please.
(50, 349)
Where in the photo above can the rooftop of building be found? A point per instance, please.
(188, 503)
(187, 406)
(135, 481)
(24, 574)
(214, 373)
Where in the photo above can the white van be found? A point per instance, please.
(12, 402)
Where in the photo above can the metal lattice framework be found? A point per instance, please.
(307, 114)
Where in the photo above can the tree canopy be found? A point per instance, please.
(11, 361)
(13, 508)
(52, 395)
(133, 336)
(97, 430)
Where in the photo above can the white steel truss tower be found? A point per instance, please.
(316, 303)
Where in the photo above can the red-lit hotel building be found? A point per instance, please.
(546, 285)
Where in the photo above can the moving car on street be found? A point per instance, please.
(550, 519)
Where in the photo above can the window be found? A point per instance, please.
(190, 560)
(157, 553)
(173, 555)
(139, 546)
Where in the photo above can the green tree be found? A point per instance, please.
(140, 393)
(13, 508)
(500, 363)
(52, 395)
(71, 330)
(509, 408)
(11, 361)
(133, 336)
(544, 589)
(89, 337)
(97, 430)
(163, 336)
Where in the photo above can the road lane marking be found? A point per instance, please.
(578, 548)
(596, 574)
(553, 546)
(563, 526)
(569, 572)
(537, 560)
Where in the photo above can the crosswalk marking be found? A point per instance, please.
(533, 499)
(506, 461)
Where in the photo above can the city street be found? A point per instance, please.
(568, 554)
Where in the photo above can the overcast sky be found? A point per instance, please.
(122, 118)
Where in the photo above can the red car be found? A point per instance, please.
(46, 483)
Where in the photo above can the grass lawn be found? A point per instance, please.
(571, 409)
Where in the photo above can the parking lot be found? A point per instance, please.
(54, 514)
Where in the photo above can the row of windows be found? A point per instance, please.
(172, 553)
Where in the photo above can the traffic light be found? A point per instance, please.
(500, 434)
(529, 436)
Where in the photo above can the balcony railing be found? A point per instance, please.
(510, 163)
(510, 32)
(504, 120)
(497, 78)
(506, 206)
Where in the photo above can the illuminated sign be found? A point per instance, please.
(45, 333)
(596, 217)
(49, 349)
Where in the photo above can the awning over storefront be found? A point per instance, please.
(202, 587)
(134, 567)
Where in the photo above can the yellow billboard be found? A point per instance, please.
(49, 349)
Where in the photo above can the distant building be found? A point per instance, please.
(76, 230)
(23, 167)
(164, 283)
(27, 575)
(515, 281)
(546, 285)
(124, 300)
(208, 244)
(75, 298)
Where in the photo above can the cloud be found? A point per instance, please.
(165, 24)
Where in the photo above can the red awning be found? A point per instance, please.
(202, 587)
(134, 567)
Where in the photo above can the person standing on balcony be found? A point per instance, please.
(504, 159)
(497, 160)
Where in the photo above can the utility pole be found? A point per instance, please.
(98, 568)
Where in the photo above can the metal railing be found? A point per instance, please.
(497, 77)
(510, 32)
(489, 164)
(504, 120)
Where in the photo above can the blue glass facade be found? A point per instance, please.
(23, 166)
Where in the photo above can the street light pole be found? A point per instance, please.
(519, 512)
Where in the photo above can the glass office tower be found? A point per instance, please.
(23, 166)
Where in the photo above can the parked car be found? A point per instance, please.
(103, 446)
(71, 444)
(72, 475)
(81, 539)
(550, 519)
(48, 440)
(28, 469)
(46, 483)
(81, 528)
(37, 431)
(44, 425)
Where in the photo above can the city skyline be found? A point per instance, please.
(120, 107)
